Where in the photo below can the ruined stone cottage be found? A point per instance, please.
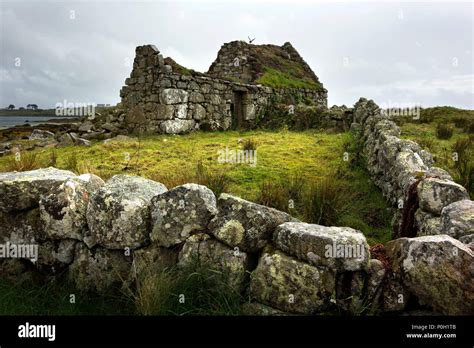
(164, 97)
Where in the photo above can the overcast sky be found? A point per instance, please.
(392, 52)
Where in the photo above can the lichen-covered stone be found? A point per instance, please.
(180, 211)
(287, 284)
(99, 270)
(375, 276)
(63, 210)
(243, 224)
(21, 227)
(340, 248)
(174, 96)
(202, 249)
(435, 194)
(394, 294)
(467, 239)
(118, 213)
(54, 257)
(427, 224)
(457, 219)
(155, 257)
(23, 190)
(177, 126)
(439, 270)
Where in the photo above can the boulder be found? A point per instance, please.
(243, 224)
(180, 211)
(202, 249)
(339, 248)
(63, 210)
(118, 213)
(435, 194)
(438, 270)
(65, 140)
(23, 190)
(287, 284)
(457, 219)
(39, 134)
(99, 270)
(87, 126)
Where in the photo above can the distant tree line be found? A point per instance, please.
(29, 107)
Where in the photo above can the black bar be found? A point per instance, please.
(313, 330)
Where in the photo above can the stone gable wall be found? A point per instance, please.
(158, 99)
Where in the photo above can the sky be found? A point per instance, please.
(396, 53)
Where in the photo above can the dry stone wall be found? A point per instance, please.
(159, 97)
(427, 200)
(101, 235)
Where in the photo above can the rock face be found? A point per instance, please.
(339, 248)
(457, 219)
(21, 191)
(119, 212)
(63, 210)
(439, 270)
(285, 283)
(243, 224)
(201, 248)
(435, 194)
(179, 211)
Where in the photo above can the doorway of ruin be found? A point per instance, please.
(237, 109)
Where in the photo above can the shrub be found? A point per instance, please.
(72, 163)
(217, 180)
(274, 195)
(22, 161)
(444, 131)
(469, 127)
(53, 159)
(325, 200)
(426, 143)
(460, 122)
(194, 289)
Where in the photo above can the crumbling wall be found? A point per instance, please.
(165, 99)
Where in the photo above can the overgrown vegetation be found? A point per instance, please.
(283, 79)
(194, 289)
(444, 131)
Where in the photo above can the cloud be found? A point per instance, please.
(426, 56)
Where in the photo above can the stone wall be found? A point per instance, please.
(166, 98)
(427, 200)
(100, 235)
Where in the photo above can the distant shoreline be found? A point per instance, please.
(29, 113)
